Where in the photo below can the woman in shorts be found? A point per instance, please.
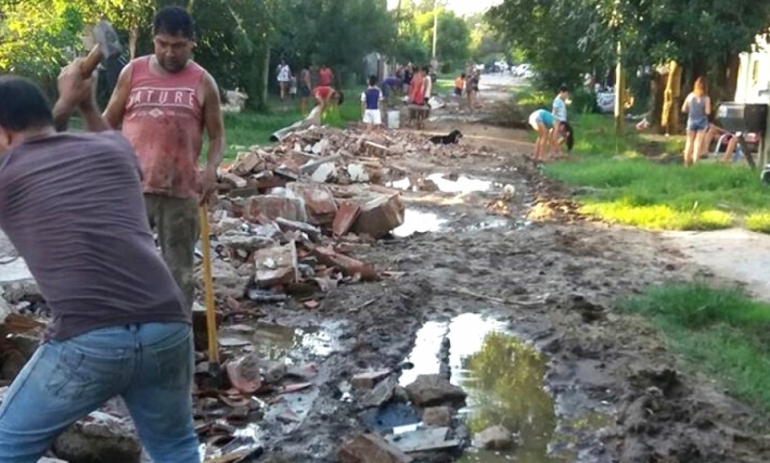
(543, 123)
(697, 105)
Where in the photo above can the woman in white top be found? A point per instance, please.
(284, 77)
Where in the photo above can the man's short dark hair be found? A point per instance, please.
(23, 105)
(563, 89)
(372, 81)
(174, 20)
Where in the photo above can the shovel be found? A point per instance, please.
(211, 317)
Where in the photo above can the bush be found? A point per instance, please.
(584, 101)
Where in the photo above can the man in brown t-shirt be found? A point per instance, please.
(72, 205)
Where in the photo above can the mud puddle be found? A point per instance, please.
(422, 220)
(445, 183)
(504, 378)
(282, 343)
(419, 221)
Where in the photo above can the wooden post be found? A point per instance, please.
(620, 85)
(670, 118)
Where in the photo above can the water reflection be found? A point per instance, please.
(504, 379)
(416, 221)
(504, 382)
(276, 342)
(462, 185)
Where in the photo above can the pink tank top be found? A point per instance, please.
(164, 123)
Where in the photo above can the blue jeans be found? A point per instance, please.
(150, 366)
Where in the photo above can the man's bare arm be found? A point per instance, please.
(116, 108)
(212, 118)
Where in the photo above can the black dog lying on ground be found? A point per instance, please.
(453, 137)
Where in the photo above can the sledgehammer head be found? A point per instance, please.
(107, 46)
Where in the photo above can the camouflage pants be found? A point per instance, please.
(176, 221)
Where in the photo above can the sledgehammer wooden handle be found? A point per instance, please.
(89, 64)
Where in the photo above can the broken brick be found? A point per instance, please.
(379, 216)
(371, 448)
(234, 180)
(266, 181)
(272, 207)
(245, 163)
(368, 379)
(346, 216)
(348, 265)
(276, 266)
(319, 202)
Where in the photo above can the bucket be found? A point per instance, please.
(394, 119)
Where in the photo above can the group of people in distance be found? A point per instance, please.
(302, 86)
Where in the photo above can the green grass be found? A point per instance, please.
(625, 180)
(720, 332)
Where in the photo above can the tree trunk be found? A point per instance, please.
(670, 117)
(265, 75)
(657, 92)
(133, 37)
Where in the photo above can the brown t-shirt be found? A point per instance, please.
(72, 205)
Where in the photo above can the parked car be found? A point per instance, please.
(521, 69)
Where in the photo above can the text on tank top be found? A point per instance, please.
(164, 123)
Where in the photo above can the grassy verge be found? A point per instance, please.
(721, 331)
(628, 180)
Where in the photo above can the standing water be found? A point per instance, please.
(504, 380)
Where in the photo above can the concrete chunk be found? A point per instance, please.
(276, 266)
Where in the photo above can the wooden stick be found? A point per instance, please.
(208, 282)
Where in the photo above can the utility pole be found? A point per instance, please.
(435, 28)
(620, 81)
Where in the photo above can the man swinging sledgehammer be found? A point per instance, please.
(72, 204)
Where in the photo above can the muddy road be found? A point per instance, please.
(499, 285)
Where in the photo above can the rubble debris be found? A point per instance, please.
(348, 265)
(227, 281)
(379, 216)
(346, 216)
(276, 266)
(494, 438)
(320, 206)
(430, 390)
(368, 379)
(273, 206)
(424, 440)
(99, 437)
(382, 393)
(357, 173)
(437, 416)
(371, 448)
(244, 373)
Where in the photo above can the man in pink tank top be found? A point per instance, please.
(164, 102)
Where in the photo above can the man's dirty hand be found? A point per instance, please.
(209, 184)
(74, 90)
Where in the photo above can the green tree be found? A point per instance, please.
(37, 37)
(454, 37)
